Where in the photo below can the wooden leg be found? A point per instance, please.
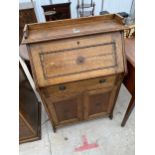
(54, 129)
(128, 111)
(111, 116)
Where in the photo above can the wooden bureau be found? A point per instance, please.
(78, 66)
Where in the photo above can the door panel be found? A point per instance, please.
(66, 110)
(97, 102)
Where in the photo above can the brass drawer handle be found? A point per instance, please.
(80, 60)
(102, 81)
(62, 87)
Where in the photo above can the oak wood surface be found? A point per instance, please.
(73, 27)
(97, 102)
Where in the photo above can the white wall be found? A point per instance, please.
(113, 6)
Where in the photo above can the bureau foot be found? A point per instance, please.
(54, 130)
(111, 116)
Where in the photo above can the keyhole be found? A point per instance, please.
(78, 42)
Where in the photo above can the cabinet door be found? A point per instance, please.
(66, 110)
(97, 102)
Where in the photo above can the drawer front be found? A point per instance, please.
(66, 110)
(65, 90)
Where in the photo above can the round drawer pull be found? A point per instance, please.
(102, 81)
(62, 87)
(80, 60)
(78, 42)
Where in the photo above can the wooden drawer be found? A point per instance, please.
(65, 90)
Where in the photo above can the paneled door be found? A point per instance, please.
(65, 110)
(97, 102)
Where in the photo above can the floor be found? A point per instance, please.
(96, 137)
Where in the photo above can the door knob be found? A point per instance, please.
(102, 81)
(62, 87)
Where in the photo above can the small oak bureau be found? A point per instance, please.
(78, 66)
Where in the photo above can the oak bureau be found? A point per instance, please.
(78, 66)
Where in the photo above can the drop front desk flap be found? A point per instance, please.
(78, 66)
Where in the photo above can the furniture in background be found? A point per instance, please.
(103, 12)
(26, 16)
(123, 14)
(78, 66)
(129, 80)
(57, 11)
(85, 9)
(29, 111)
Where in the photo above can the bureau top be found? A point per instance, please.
(61, 29)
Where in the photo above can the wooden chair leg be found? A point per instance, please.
(129, 110)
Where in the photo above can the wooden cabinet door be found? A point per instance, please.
(97, 102)
(66, 110)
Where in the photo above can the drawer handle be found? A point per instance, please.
(62, 87)
(80, 60)
(102, 81)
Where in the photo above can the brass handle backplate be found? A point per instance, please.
(102, 81)
(80, 60)
(62, 87)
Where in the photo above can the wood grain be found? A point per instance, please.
(73, 27)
